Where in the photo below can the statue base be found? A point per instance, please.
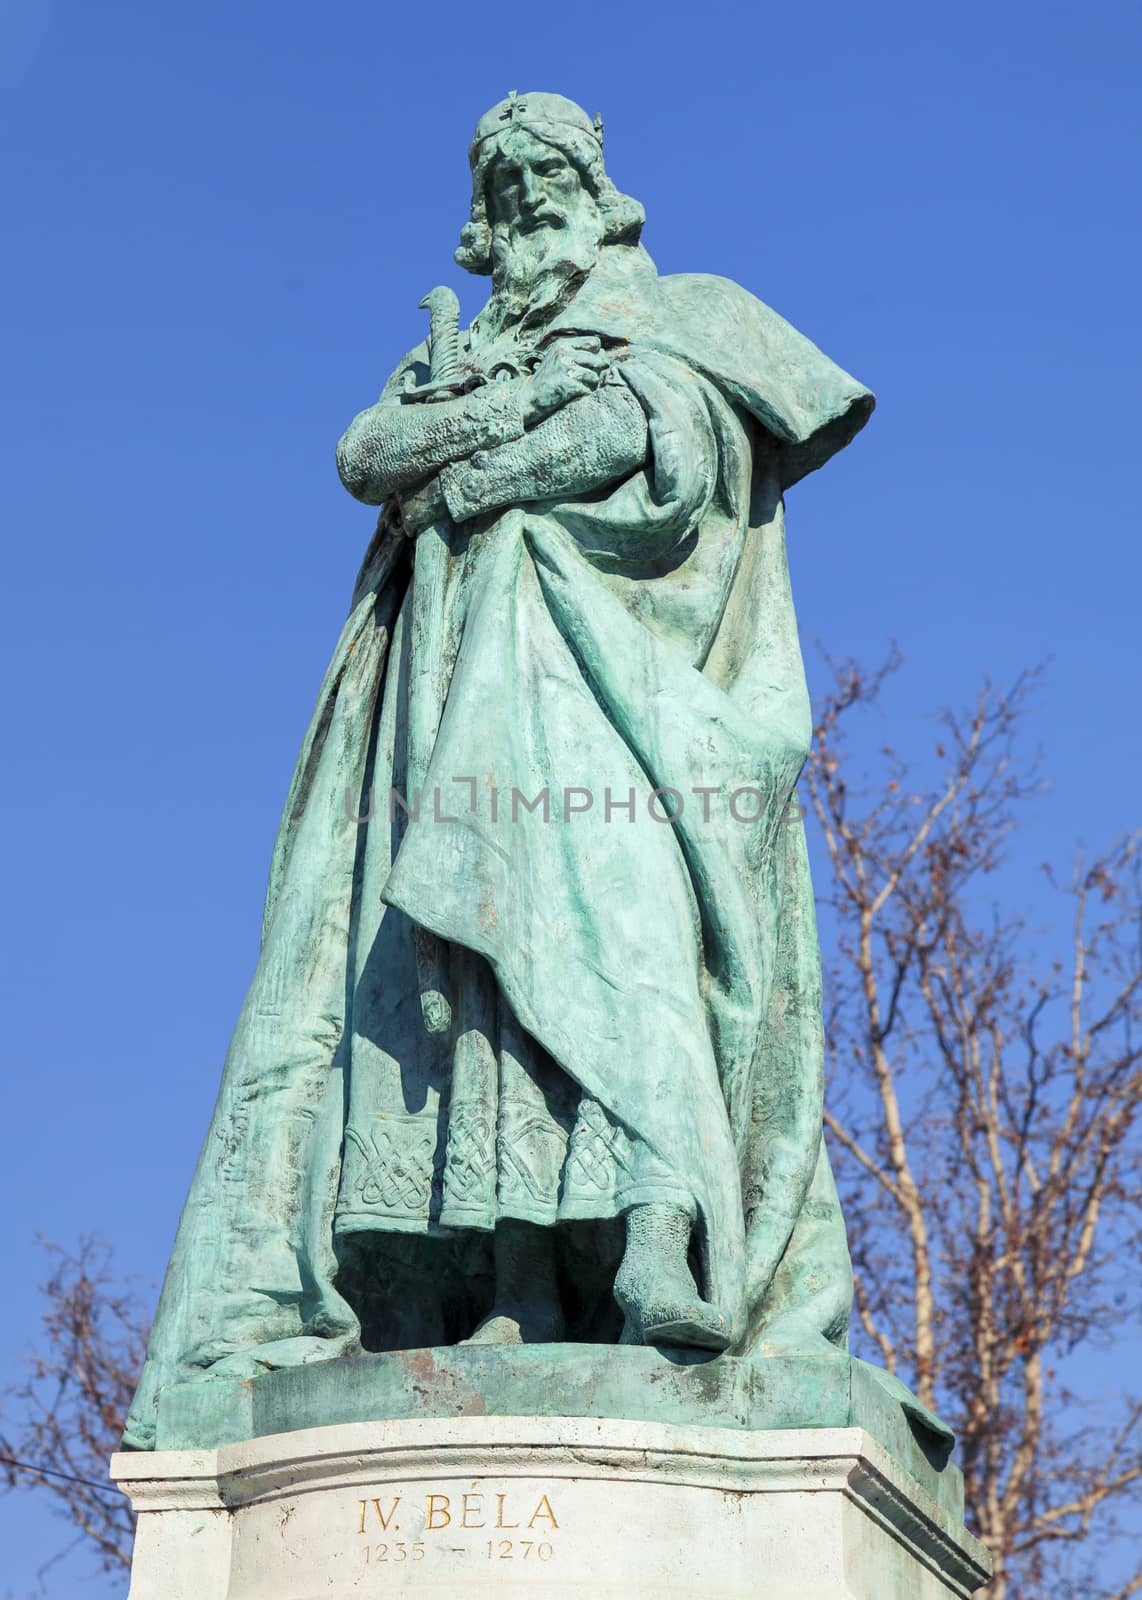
(530, 1506)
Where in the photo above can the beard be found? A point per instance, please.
(535, 272)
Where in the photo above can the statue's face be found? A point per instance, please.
(546, 226)
(532, 185)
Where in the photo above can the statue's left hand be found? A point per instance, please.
(567, 370)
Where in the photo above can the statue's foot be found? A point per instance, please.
(655, 1288)
(520, 1325)
(673, 1314)
(527, 1308)
(497, 1329)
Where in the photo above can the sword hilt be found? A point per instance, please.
(443, 335)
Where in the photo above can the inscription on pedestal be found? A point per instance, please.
(399, 1527)
(524, 1507)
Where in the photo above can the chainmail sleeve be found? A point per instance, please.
(394, 445)
(590, 442)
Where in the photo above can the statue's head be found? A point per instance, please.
(541, 198)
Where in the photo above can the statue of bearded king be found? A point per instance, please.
(533, 1052)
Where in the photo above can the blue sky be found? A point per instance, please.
(218, 219)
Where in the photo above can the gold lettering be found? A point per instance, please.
(464, 1523)
(381, 1518)
(434, 1508)
(500, 1523)
(362, 1504)
(539, 1511)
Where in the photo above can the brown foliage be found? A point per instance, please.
(983, 1111)
(60, 1424)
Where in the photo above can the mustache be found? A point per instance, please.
(546, 217)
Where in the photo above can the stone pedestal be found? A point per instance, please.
(532, 1506)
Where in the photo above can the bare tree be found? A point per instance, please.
(983, 1110)
(59, 1426)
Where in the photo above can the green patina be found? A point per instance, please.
(568, 1380)
(532, 1065)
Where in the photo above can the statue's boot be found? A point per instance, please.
(527, 1307)
(655, 1288)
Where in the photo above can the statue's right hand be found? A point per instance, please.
(567, 371)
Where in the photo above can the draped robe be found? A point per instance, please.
(487, 1010)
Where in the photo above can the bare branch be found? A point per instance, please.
(987, 1098)
(60, 1424)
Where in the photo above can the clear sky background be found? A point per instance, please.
(217, 220)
